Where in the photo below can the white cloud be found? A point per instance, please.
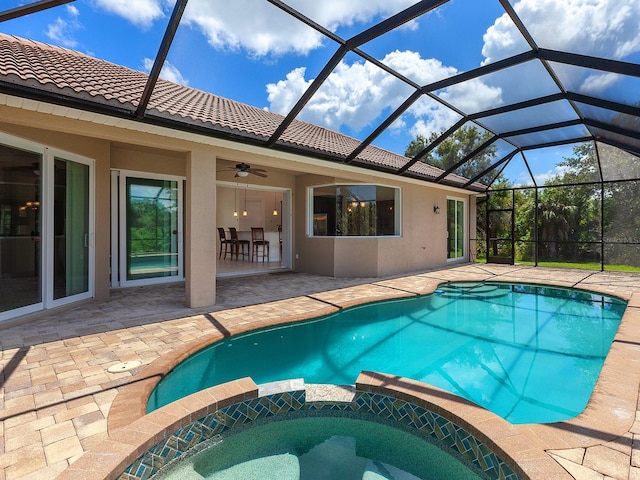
(168, 72)
(61, 30)
(269, 31)
(598, 82)
(591, 27)
(473, 96)
(544, 177)
(427, 116)
(356, 94)
(502, 39)
(284, 94)
(606, 28)
(139, 12)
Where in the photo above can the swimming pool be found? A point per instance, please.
(531, 354)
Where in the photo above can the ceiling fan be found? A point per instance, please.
(243, 169)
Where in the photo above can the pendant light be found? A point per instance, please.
(235, 200)
(244, 212)
(275, 208)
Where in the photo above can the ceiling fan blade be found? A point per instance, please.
(258, 174)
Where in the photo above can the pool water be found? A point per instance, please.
(530, 354)
(320, 448)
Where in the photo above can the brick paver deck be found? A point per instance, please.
(56, 394)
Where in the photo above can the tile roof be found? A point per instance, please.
(76, 76)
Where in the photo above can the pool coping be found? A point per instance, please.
(113, 457)
(609, 414)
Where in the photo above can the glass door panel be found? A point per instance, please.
(152, 229)
(455, 229)
(20, 228)
(71, 222)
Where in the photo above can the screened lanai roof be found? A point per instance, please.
(533, 77)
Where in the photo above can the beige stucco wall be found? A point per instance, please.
(422, 243)
(150, 160)
(107, 155)
(200, 222)
(205, 162)
(99, 151)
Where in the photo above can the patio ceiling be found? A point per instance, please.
(547, 97)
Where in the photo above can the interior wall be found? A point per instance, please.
(260, 206)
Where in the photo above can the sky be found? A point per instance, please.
(250, 51)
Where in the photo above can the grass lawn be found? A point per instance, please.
(584, 266)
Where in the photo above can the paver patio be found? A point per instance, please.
(56, 393)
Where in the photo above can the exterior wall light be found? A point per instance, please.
(436, 209)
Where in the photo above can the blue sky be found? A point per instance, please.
(250, 51)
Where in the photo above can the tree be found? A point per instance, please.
(558, 219)
(454, 148)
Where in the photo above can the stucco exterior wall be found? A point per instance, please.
(150, 160)
(204, 163)
(107, 155)
(421, 244)
(99, 151)
(200, 222)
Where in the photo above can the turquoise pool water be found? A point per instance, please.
(319, 448)
(530, 354)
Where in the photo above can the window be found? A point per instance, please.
(354, 211)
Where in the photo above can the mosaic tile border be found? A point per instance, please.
(210, 426)
(442, 431)
(426, 423)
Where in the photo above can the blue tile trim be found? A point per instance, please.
(388, 409)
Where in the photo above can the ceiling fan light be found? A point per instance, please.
(242, 173)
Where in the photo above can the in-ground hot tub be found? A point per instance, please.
(282, 435)
(320, 445)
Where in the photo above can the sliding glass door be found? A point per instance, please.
(149, 221)
(46, 224)
(71, 223)
(455, 229)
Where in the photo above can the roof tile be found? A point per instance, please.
(75, 75)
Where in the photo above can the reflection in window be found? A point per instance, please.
(152, 228)
(354, 210)
(20, 228)
(455, 228)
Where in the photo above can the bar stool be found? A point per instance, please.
(225, 243)
(239, 244)
(257, 236)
